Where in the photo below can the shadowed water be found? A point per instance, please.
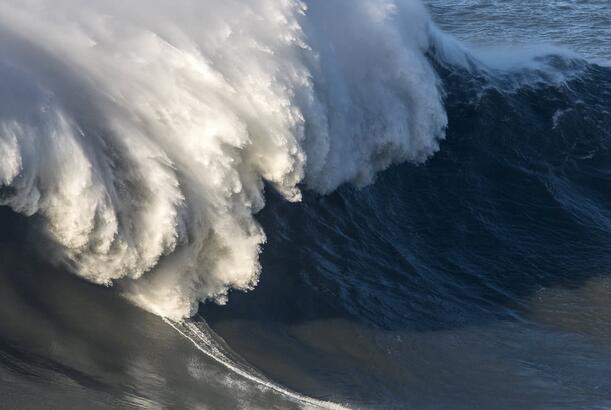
(479, 279)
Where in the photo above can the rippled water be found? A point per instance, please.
(583, 26)
(478, 279)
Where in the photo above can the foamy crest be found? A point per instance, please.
(142, 132)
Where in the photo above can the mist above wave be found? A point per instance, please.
(142, 132)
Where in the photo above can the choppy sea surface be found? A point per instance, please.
(472, 274)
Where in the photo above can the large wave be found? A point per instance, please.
(143, 133)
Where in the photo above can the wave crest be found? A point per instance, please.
(143, 132)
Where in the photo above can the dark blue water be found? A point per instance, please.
(480, 279)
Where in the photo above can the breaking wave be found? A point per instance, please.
(143, 134)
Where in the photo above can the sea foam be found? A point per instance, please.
(143, 133)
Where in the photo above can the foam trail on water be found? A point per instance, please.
(142, 133)
(201, 337)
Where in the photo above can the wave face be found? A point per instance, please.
(142, 134)
(479, 279)
(516, 201)
(158, 146)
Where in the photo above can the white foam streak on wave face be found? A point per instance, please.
(143, 131)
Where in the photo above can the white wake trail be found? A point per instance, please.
(201, 337)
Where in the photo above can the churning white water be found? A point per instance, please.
(142, 132)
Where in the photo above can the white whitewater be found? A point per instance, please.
(142, 133)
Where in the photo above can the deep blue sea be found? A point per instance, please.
(474, 276)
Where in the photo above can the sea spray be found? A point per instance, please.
(142, 133)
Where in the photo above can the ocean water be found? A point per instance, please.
(318, 204)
